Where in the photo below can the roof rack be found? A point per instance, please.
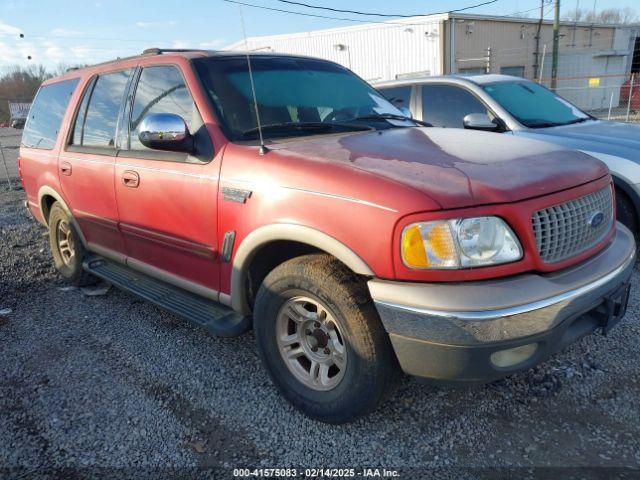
(159, 51)
(148, 51)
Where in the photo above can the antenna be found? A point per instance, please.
(263, 148)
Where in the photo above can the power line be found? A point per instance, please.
(300, 13)
(527, 11)
(79, 37)
(356, 12)
(88, 48)
(273, 9)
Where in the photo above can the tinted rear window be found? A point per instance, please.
(45, 116)
(101, 117)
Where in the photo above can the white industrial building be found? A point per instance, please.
(595, 59)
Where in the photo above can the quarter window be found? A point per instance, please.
(98, 114)
(514, 71)
(446, 105)
(162, 89)
(45, 116)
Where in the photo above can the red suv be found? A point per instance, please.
(351, 238)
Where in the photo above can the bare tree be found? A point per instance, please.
(20, 84)
(625, 16)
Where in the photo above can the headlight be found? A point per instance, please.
(459, 243)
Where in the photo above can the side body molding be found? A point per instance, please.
(286, 232)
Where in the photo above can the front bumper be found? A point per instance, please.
(450, 331)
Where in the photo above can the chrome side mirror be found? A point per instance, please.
(479, 121)
(165, 131)
(406, 112)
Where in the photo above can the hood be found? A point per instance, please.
(613, 138)
(456, 168)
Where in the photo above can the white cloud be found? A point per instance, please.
(212, 44)
(180, 44)
(80, 51)
(52, 51)
(15, 54)
(169, 23)
(65, 32)
(9, 30)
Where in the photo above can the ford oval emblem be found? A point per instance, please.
(596, 219)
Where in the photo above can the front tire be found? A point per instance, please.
(321, 340)
(66, 248)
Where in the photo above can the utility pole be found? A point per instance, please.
(556, 45)
(536, 66)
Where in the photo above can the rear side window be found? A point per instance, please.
(399, 96)
(162, 90)
(45, 116)
(98, 114)
(446, 105)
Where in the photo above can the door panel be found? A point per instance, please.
(91, 196)
(86, 167)
(169, 219)
(167, 201)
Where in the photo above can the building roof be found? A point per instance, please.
(422, 20)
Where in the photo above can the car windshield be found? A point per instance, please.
(295, 96)
(533, 105)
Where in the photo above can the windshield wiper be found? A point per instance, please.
(577, 120)
(534, 124)
(303, 127)
(391, 116)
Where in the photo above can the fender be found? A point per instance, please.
(628, 170)
(630, 191)
(287, 232)
(625, 173)
(46, 190)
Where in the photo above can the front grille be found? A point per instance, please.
(570, 228)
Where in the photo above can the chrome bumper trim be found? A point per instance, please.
(518, 309)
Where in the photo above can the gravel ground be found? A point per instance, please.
(112, 381)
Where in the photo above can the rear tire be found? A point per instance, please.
(321, 340)
(67, 249)
(626, 212)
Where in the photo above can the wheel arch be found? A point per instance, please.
(631, 192)
(47, 196)
(293, 240)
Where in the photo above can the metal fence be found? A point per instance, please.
(610, 97)
(9, 145)
(593, 72)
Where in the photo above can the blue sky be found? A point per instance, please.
(89, 31)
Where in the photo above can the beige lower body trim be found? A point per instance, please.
(225, 299)
(158, 273)
(107, 253)
(174, 279)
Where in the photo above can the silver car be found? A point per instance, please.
(516, 106)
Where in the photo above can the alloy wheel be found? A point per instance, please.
(66, 242)
(311, 343)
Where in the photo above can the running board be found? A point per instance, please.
(217, 319)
